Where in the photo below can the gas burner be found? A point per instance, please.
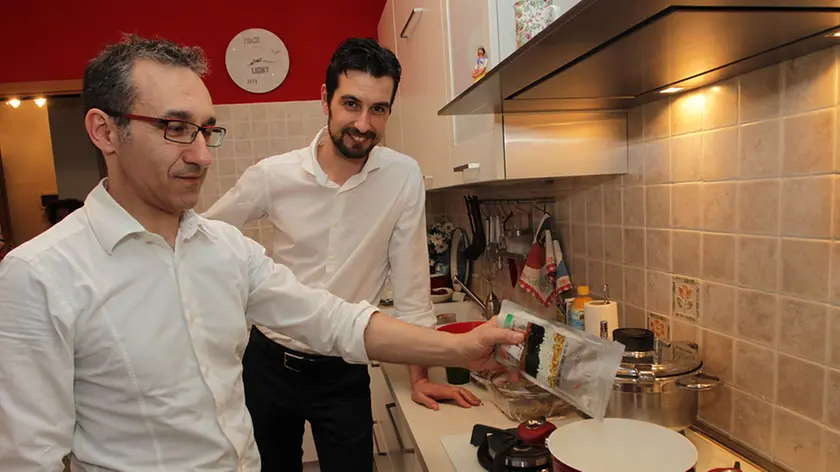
(502, 450)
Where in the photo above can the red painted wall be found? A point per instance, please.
(54, 39)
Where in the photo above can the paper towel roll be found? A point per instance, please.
(595, 312)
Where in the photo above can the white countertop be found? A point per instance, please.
(427, 427)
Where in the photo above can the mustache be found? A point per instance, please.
(191, 171)
(356, 133)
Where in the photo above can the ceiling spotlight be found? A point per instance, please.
(671, 90)
(40, 101)
(14, 102)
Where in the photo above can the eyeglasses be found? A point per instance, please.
(180, 131)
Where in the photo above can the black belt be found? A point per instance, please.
(297, 361)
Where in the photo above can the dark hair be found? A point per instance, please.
(364, 55)
(52, 208)
(107, 81)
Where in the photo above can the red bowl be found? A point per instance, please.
(460, 327)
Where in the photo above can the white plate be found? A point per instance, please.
(621, 444)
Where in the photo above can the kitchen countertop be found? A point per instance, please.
(427, 427)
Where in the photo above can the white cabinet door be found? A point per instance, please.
(477, 145)
(388, 38)
(426, 136)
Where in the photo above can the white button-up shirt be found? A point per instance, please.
(344, 238)
(128, 353)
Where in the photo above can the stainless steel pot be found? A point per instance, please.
(658, 381)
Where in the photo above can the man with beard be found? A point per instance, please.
(345, 212)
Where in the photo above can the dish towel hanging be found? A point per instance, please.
(545, 275)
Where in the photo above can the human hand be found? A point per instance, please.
(476, 348)
(425, 392)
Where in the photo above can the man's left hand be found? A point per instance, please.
(426, 392)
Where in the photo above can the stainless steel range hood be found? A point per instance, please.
(616, 54)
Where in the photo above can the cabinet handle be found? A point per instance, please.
(413, 18)
(462, 168)
(388, 407)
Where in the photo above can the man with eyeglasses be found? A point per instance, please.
(122, 327)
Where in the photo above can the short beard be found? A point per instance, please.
(349, 152)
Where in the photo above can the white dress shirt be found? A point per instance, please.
(341, 238)
(128, 353)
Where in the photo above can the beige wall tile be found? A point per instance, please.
(577, 267)
(809, 82)
(579, 240)
(658, 206)
(758, 262)
(832, 399)
(681, 331)
(614, 244)
(657, 119)
(805, 268)
(658, 249)
(836, 217)
(243, 149)
(761, 94)
(717, 352)
(716, 407)
(719, 206)
(594, 206)
(718, 308)
(223, 113)
(634, 287)
(806, 206)
(240, 112)
(579, 207)
(612, 205)
(635, 164)
(686, 205)
(758, 206)
(595, 275)
(758, 316)
(755, 369)
(831, 445)
(803, 333)
(719, 257)
(685, 157)
(801, 386)
(761, 149)
(720, 154)
(657, 162)
(833, 337)
(721, 108)
(634, 246)
(687, 113)
(753, 421)
(595, 242)
(835, 273)
(634, 317)
(809, 143)
(659, 292)
(797, 442)
(635, 125)
(614, 277)
(634, 206)
(685, 253)
(226, 166)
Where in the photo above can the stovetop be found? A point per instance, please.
(501, 450)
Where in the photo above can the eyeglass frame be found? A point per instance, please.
(165, 122)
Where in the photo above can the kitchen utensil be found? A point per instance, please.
(490, 306)
(734, 468)
(524, 400)
(459, 375)
(618, 444)
(441, 295)
(476, 248)
(535, 431)
(502, 450)
(459, 266)
(658, 381)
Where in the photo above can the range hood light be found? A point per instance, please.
(671, 90)
(14, 103)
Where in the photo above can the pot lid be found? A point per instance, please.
(581, 445)
(647, 358)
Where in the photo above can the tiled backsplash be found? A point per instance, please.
(254, 132)
(735, 188)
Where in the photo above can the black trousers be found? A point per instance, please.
(285, 388)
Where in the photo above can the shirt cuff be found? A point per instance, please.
(355, 351)
(426, 319)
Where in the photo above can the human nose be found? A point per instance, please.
(199, 153)
(363, 122)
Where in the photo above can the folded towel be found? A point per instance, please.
(545, 275)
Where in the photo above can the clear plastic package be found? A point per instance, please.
(574, 365)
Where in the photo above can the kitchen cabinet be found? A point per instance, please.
(388, 38)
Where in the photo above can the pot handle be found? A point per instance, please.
(700, 382)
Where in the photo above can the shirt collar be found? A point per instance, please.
(111, 223)
(310, 162)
